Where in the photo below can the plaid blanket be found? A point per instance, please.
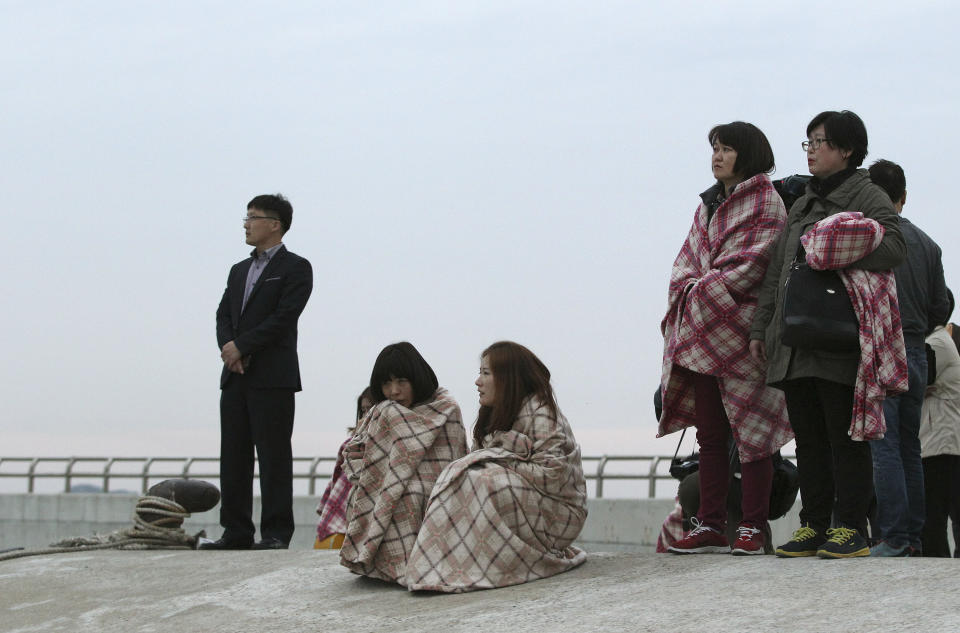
(507, 513)
(672, 529)
(832, 244)
(333, 503)
(393, 461)
(713, 293)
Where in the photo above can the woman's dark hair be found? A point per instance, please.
(844, 130)
(754, 154)
(955, 335)
(360, 412)
(366, 393)
(517, 373)
(402, 360)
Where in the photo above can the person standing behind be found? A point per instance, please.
(940, 441)
(257, 335)
(922, 294)
(709, 378)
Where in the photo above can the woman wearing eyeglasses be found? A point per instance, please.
(709, 379)
(833, 396)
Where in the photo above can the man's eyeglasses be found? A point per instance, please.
(815, 144)
(258, 217)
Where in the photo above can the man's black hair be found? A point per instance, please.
(889, 176)
(274, 205)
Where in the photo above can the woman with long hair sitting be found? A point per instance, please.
(393, 460)
(508, 512)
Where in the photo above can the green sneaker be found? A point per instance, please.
(804, 542)
(843, 542)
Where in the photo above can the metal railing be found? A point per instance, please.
(154, 469)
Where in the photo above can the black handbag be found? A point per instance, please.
(817, 313)
(785, 486)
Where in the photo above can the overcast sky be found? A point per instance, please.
(460, 172)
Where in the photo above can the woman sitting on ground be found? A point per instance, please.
(508, 512)
(393, 460)
(709, 378)
(333, 504)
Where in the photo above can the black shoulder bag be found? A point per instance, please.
(817, 312)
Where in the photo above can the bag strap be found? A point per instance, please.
(677, 452)
(801, 256)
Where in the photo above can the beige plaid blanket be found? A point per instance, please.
(506, 513)
(393, 461)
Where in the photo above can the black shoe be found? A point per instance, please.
(843, 542)
(269, 543)
(223, 543)
(804, 542)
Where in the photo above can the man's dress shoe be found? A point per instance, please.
(222, 543)
(269, 543)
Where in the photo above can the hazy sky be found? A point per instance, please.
(460, 172)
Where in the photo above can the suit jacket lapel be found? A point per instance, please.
(236, 293)
(271, 265)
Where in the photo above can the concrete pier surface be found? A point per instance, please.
(188, 591)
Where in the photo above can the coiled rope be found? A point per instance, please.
(156, 525)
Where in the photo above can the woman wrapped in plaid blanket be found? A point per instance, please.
(709, 378)
(834, 398)
(393, 460)
(508, 512)
(333, 503)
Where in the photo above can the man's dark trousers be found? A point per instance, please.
(262, 419)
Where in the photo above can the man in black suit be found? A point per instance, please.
(257, 336)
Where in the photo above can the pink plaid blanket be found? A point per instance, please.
(832, 244)
(507, 513)
(672, 529)
(393, 461)
(711, 301)
(333, 503)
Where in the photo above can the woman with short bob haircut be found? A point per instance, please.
(846, 223)
(753, 152)
(709, 378)
(521, 493)
(402, 361)
(413, 430)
